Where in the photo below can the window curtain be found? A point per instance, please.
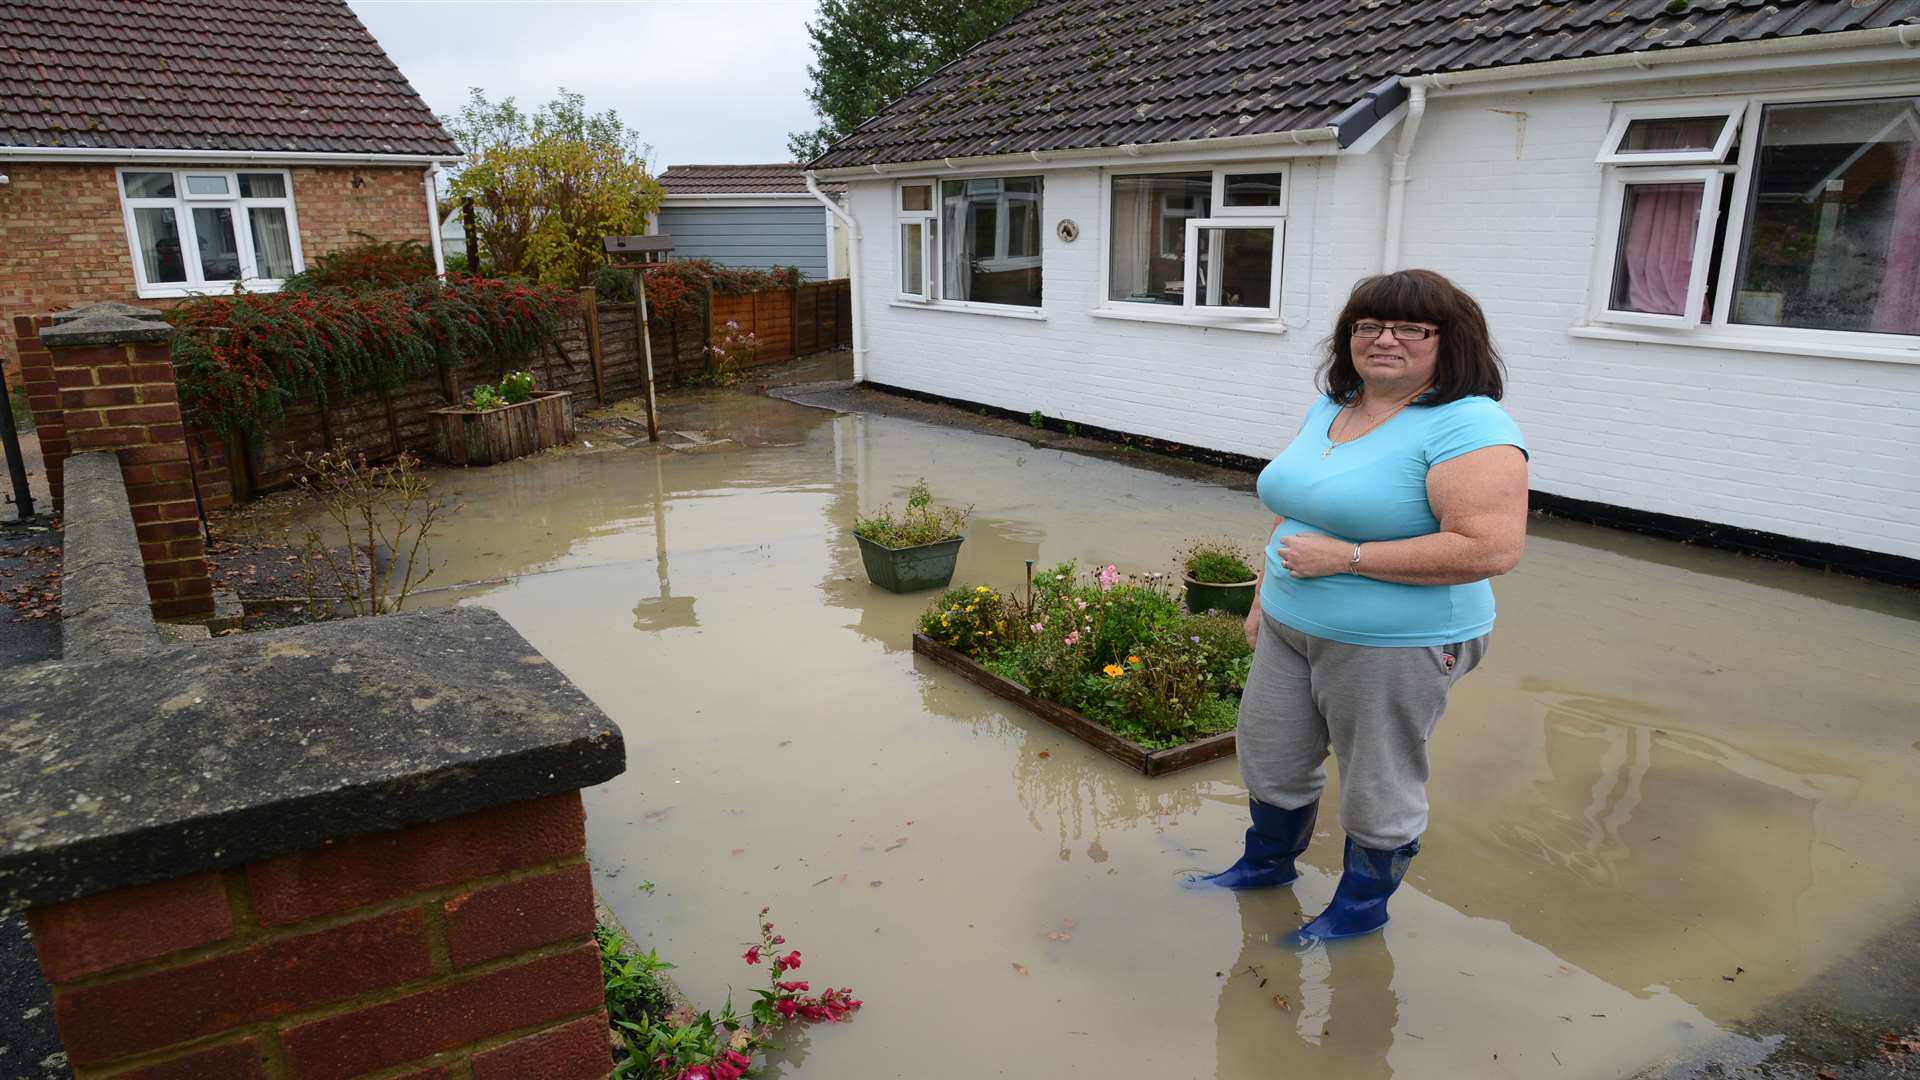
(1657, 253)
(1898, 309)
(272, 248)
(957, 243)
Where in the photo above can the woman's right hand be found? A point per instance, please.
(1253, 627)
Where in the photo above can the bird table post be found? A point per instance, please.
(643, 246)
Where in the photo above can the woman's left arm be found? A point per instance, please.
(1480, 498)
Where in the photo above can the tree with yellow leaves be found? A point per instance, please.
(548, 186)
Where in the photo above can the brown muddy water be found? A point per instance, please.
(1682, 784)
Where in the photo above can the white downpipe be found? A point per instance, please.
(433, 220)
(853, 275)
(1397, 178)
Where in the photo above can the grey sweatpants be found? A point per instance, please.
(1374, 707)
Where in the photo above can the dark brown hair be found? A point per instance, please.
(1467, 364)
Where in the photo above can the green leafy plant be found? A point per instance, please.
(634, 991)
(921, 524)
(1218, 563)
(725, 357)
(971, 620)
(516, 387)
(485, 396)
(1036, 419)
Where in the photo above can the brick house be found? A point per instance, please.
(1695, 229)
(155, 149)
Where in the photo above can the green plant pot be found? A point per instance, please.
(910, 569)
(1203, 596)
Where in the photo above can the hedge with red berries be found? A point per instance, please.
(240, 359)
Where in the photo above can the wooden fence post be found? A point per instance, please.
(590, 308)
(793, 320)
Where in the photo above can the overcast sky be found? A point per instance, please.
(704, 81)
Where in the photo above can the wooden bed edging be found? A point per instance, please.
(468, 436)
(1123, 750)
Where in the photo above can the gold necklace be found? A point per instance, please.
(1391, 413)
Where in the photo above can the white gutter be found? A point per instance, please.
(1046, 157)
(277, 157)
(433, 221)
(1766, 48)
(853, 274)
(744, 196)
(1397, 178)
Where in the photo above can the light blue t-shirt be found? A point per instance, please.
(1369, 490)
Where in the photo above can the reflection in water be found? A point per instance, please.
(1330, 1010)
(665, 610)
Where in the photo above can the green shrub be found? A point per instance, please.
(516, 387)
(369, 264)
(974, 621)
(921, 524)
(1218, 563)
(633, 990)
(241, 358)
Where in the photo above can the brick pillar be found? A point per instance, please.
(465, 940)
(113, 373)
(36, 376)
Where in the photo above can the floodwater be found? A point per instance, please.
(1681, 785)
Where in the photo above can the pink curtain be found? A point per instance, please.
(1898, 309)
(1657, 255)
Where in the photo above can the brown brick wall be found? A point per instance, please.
(123, 398)
(63, 235)
(474, 958)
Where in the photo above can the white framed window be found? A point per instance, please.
(1236, 267)
(989, 240)
(194, 230)
(914, 227)
(1662, 222)
(1803, 231)
(1697, 133)
(1208, 242)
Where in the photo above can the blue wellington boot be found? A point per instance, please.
(1274, 839)
(1360, 900)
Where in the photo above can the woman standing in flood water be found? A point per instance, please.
(1403, 493)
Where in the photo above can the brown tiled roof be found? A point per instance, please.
(274, 75)
(784, 178)
(1090, 73)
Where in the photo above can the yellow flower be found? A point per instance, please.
(1133, 659)
(981, 588)
(1114, 671)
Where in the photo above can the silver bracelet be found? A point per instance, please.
(1354, 564)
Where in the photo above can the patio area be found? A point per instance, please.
(1679, 789)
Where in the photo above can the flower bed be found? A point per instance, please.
(1111, 660)
(488, 436)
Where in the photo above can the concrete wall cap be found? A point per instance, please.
(131, 311)
(104, 329)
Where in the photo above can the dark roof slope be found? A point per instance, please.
(1088, 73)
(786, 178)
(274, 75)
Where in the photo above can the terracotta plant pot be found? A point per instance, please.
(1204, 596)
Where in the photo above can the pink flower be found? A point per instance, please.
(791, 987)
(1082, 603)
(1037, 627)
(1073, 638)
(782, 964)
(786, 1007)
(778, 940)
(1109, 577)
(752, 956)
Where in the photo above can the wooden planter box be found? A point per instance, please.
(489, 436)
(1123, 750)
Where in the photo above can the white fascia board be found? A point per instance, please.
(1308, 142)
(118, 155)
(1892, 45)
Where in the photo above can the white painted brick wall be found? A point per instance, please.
(1505, 201)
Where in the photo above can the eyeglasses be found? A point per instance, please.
(1401, 331)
